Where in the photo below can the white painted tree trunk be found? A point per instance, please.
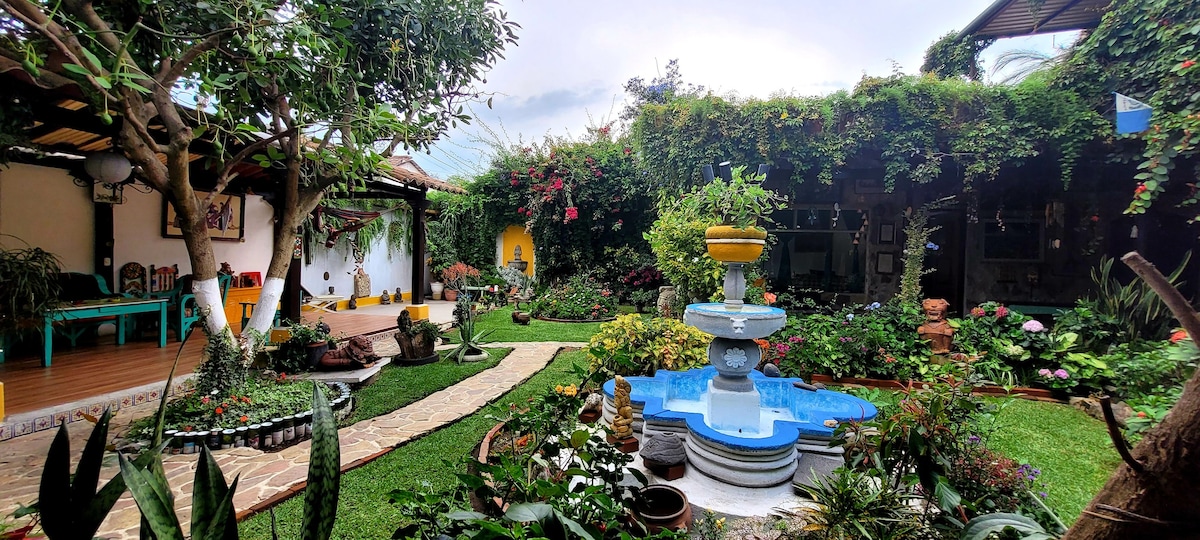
(208, 298)
(264, 311)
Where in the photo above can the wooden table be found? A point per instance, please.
(321, 302)
(111, 307)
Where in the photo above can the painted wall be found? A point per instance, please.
(508, 240)
(42, 206)
(137, 228)
(388, 269)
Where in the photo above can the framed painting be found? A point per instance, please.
(225, 218)
(885, 263)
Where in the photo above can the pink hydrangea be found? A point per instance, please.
(1033, 325)
(1044, 372)
(1001, 312)
(1062, 373)
(978, 312)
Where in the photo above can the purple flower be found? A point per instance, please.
(973, 439)
(1042, 494)
(1044, 372)
(1062, 373)
(1033, 325)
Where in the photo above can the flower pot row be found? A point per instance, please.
(274, 434)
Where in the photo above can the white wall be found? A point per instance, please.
(387, 269)
(43, 207)
(137, 229)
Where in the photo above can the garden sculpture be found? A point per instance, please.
(385, 299)
(936, 329)
(622, 424)
(516, 263)
(357, 353)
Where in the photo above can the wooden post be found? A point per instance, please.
(419, 205)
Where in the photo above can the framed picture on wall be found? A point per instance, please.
(887, 233)
(885, 263)
(225, 218)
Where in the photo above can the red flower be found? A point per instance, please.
(1141, 414)
(978, 312)
(1001, 312)
(521, 210)
(1140, 189)
(1178, 336)
(219, 411)
(515, 181)
(628, 150)
(1187, 64)
(572, 213)
(246, 399)
(557, 183)
(598, 173)
(244, 418)
(1095, 219)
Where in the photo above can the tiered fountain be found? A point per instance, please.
(741, 427)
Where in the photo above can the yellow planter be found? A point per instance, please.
(729, 244)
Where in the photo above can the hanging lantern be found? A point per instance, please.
(108, 167)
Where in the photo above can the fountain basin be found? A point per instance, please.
(792, 422)
(750, 322)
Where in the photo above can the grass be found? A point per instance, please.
(503, 330)
(398, 386)
(1071, 448)
(363, 510)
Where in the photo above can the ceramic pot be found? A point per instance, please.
(315, 351)
(450, 295)
(660, 507)
(437, 287)
(732, 245)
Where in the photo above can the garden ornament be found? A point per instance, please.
(936, 329)
(357, 353)
(385, 298)
(622, 424)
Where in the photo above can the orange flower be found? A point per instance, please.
(1187, 64)
(220, 411)
(1178, 336)
(769, 298)
(244, 418)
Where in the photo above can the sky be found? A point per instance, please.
(573, 57)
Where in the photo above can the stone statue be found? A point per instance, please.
(936, 329)
(666, 302)
(622, 424)
(354, 301)
(516, 263)
(362, 283)
(385, 299)
(357, 353)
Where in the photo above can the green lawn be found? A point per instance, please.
(363, 510)
(1071, 448)
(503, 330)
(398, 386)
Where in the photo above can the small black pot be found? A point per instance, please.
(315, 351)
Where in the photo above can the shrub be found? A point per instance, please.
(868, 341)
(1142, 368)
(677, 240)
(632, 345)
(581, 299)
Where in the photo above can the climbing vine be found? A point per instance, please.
(916, 126)
(1146, 49)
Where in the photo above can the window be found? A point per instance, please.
(1013, 241)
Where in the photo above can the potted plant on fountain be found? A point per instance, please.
(740, 203)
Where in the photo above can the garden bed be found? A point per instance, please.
(552, 319)
(1035, 394)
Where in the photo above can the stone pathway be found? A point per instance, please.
(267, 478)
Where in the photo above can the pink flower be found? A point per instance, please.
(978, 312)
(1001, 312)
(1044, 372)
(1033, 325)
(1062, 373)
(514, 181)
(796, 339)
(572, 213)
(783, 348)
(521, 210)
(556, 183)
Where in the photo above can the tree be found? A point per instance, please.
(316, 91)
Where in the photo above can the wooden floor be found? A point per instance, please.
(102, 367)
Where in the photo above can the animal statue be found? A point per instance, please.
(357, 353)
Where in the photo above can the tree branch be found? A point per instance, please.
(1170, 296)
(63, 40)
(1114, 432)
(177, 67)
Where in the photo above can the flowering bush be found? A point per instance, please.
(990, 482)
(581, 299)
(457, 274)
(1058, 379)
(869, 341)
(631, 345)
(257, 400)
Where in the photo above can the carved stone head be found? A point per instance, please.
(935, 309)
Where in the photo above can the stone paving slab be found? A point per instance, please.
(269, 477)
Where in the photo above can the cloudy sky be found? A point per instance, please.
(574, 56)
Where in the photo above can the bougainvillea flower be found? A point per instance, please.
(572, 213)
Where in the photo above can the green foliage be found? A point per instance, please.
(916, 243)
(1146, 49)
(71, 507)
(324, 472)
(742, 202)
(856, 505)
(29, 288)
(470, 341)
(869, 341)
(677, 241)
(221, 368)
(1004, 524)
(917, 126)
(633, 345)
(952, 57)
(1137, 310)
(580, 299)
(257, 400)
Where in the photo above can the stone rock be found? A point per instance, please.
(664, 448)
(594, 402)
(771, 370)
(813, 467)
(1091, 406)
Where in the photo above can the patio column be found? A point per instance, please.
(419, 205)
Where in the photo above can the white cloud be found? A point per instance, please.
(574, 56)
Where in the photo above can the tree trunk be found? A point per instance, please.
(1160, 500)
(192, 222)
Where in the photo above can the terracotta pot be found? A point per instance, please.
(729, 244)
(660, 507)
(450, 295)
